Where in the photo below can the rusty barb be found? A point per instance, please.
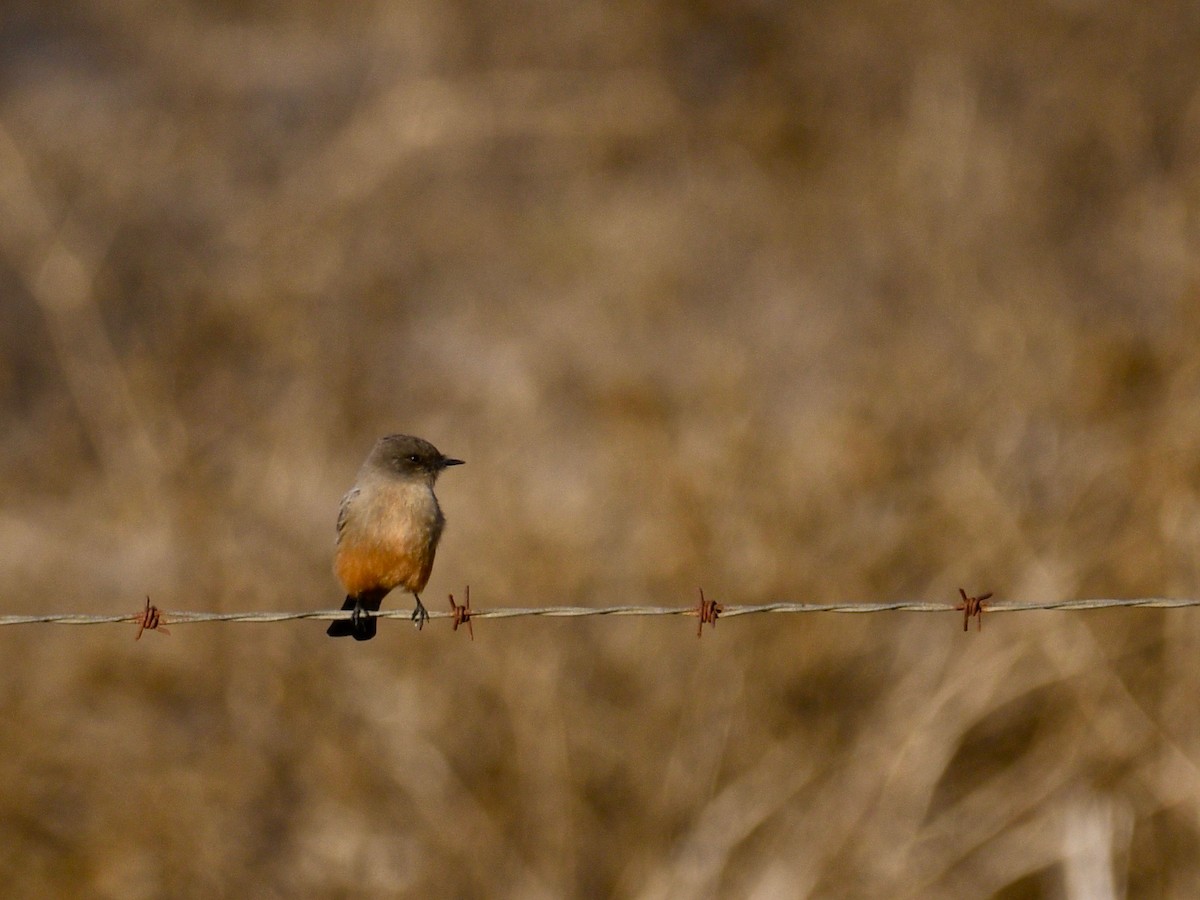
(461, 615)
(972, 606)
(707, 611)
(150, 619)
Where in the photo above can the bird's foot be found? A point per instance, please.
(362, 622)
(420, 615)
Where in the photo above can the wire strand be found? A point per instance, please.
(173, 617)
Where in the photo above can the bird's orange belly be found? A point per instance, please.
(370, 568)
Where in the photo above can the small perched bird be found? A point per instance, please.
(387, 530)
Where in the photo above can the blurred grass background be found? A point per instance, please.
(811, 301)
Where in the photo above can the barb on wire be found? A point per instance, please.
(150, 620)
(972, 606)
(726, 611)
(462, 614)
(707, 611)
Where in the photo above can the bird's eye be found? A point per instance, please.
(413, 458)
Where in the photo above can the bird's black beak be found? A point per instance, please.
(447, 461)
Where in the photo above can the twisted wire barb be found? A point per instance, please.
(184, 617)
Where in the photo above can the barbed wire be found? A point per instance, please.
(707, 611)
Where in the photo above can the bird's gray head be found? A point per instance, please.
(408, 457)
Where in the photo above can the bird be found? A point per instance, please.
(388, 528)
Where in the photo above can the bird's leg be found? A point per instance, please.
(359, 615)
(420, 616)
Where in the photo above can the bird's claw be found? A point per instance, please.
(420, 615)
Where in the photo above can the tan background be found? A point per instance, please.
(796, 301)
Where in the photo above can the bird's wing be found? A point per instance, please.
(343, 510)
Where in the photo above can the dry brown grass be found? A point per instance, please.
(795, 302)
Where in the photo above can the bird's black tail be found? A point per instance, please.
(361, 625)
